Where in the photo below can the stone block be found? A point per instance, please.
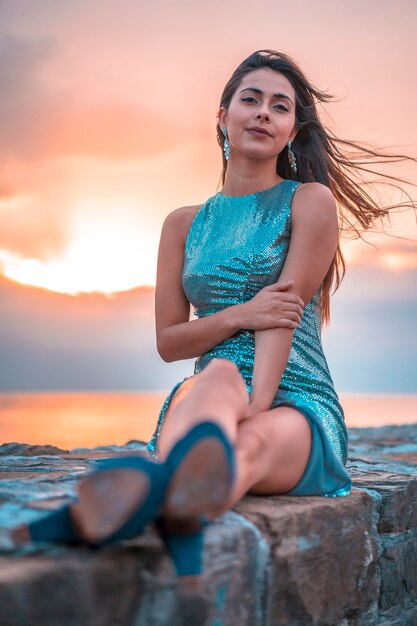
(324, 555)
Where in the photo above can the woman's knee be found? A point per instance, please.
(227, 373)
(218, 387)
(227, 367)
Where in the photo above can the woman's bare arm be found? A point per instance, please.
(178, 337)
(314, 239)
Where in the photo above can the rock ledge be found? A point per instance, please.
(271, 561)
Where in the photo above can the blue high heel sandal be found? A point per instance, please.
(202, 471)
(115, 502)
(118, 499)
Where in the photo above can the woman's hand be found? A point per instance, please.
(272, 307)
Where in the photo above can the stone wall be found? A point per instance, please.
(271, 561)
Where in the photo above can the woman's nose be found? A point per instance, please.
(262, 114)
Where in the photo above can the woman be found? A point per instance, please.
(256, 260)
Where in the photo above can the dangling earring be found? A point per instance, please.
(226, 145)
(291, 157)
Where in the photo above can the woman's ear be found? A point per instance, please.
(222, 117)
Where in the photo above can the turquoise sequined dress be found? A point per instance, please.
(236, 245)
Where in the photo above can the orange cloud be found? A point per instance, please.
(392, 255)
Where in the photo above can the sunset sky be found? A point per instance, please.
(107, 124)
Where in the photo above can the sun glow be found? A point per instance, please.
(398, 262)
(392, 259)
(104, 254)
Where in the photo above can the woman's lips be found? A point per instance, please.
(257, 133)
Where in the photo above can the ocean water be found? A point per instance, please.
(89, 419)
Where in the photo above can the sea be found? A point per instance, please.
(89, 419)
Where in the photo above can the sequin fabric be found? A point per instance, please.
(236, 245)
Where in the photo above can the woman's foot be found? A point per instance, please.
(114, 502)
(203, 480)
(107, 501)
(119, 499)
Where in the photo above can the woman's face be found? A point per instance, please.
(265, 99)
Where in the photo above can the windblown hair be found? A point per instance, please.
(319, 158)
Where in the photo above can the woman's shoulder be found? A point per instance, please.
(184, 214)
(315, 189)
(181, 219)
(315, 194)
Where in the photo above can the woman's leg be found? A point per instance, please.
(218, 393)
(272, 452)
(272, 448)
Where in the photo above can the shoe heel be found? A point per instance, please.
(184, 542)
(56, 526)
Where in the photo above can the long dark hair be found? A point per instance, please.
(319, 158)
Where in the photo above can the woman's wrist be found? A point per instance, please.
(236, 317)
(258, 405)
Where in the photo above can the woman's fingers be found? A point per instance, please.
(291, 307)
(292, 316)
(288, 297)
(293, 297)
(286, 323)
(293, 312)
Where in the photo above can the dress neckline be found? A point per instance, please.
(255, 193)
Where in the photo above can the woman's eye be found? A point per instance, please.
(283, 108)
(251, 99)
